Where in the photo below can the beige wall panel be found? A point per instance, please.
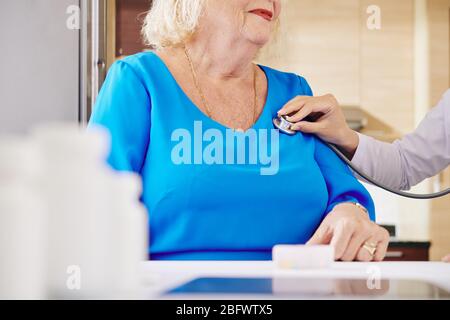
(439, 13)
(387, 64)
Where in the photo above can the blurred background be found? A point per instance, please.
(56, 53)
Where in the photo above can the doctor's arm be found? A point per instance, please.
(399, 165)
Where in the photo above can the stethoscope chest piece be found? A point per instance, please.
(283, 125)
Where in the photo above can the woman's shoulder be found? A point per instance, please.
(289, 80)
(139, 58)
(141, 63)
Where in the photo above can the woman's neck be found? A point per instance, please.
(220, 59)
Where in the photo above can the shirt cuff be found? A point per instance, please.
(361, 152)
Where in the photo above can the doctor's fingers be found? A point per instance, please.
(305, 111)
(310, 127)
(313, 108)
(294, 105)
(303, 106)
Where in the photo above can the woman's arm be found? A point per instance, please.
(347, 227)
(123, 107)
(341, 184)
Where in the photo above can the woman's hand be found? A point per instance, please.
(349, 230)
(446, 258)
(330, 125)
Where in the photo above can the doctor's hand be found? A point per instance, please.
(329, 121)
(349, 230)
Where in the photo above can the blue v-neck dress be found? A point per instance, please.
(218, 207)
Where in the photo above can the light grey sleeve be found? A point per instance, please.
(419, 155)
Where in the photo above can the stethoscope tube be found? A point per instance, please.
(284, 126)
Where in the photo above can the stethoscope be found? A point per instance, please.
(282, 124)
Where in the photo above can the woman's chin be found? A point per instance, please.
(259, 39)
(259, 35)
(261, 42)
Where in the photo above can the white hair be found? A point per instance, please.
(170, 23)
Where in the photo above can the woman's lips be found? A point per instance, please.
(263, 13)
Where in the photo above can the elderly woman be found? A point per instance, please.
(200, 85)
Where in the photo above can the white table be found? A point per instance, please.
(160, 276)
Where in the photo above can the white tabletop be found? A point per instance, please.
(160, 276)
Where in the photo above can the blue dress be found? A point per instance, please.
(213, 193)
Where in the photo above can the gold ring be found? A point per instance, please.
(371, 247)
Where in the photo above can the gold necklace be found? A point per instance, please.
(202, 96)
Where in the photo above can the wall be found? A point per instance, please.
(438, 17)
(387, 64)
(39, 64)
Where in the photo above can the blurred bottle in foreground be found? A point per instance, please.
(22, 222)
(95, 226)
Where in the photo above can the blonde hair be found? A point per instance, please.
(170, 23)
